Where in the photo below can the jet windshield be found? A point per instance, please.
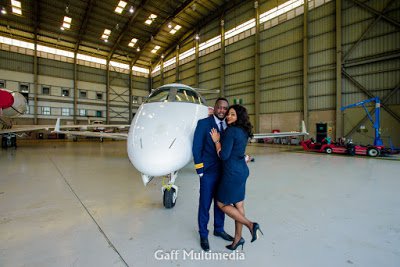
(175, 94)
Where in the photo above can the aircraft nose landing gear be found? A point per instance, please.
(9, 140)
(170, 191)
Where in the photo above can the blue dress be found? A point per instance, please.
(232, 186)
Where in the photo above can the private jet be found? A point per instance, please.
(160, 137)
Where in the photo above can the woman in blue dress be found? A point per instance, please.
(232, 187)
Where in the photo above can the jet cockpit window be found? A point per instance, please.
(175, 94)
(161, 95)
(185, 95)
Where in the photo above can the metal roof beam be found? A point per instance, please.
(126, 28)
(177, 11)
(376, 12)
(83, 26)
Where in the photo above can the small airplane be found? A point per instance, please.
(13, 105)
(159, 142)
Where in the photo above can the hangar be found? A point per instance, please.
(83, 204)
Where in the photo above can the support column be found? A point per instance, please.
(257, 70)
(162, 71)
(75, 75)
(108, 93)
(177, 65)
(196, 58)
(35, 84)
(222, 61)
(130, 82)
(339, 116)
(305, 65)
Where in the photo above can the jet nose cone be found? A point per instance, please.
(6, 99)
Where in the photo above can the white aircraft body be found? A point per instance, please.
(159, 142)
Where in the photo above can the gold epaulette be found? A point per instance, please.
(199, 165)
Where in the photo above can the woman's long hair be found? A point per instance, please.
(243, 120)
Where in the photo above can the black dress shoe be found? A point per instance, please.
(224, 235)
(204, 244)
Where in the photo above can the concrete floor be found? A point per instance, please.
(84, 204)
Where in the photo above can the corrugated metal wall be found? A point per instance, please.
(16, 62)
(17, 69)
(281, 65)
(322, 58)
(239, 72)
(383, 39)
(209, 74)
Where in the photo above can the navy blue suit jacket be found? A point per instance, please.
(204, 154)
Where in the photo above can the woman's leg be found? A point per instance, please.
(237, 213)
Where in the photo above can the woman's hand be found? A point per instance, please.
(215, 135)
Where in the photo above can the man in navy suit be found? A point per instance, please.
(209, 168)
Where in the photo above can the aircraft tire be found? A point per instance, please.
(373, 152)
(168, 199)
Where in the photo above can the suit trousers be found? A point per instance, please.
(208, 187)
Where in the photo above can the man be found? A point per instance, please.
(209, 168)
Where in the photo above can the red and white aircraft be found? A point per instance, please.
(160, 137)
(12, 105)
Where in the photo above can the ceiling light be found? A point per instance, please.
(66, 25)
(61, 28)
(170, 25)
(138, 49)
(177, 27)
(120, 7)
(105, 35)
(122, 4)
(197, 37)
(3, 11)
(131, 10)
(173, 31)
(67, 19)
(162, 56)
(16, 3)
(150, 19)
(16, 10)
(132, 42)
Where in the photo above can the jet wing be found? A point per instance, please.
(25, 128)
(282, 134)
(119, 136)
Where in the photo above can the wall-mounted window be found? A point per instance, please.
(46, 90)
(82, 94)
(65, 92)
(82, 112)
(2, 84)
(99, 113)
(65, 111)
(46, 111)
(99, 96)
(24, 87)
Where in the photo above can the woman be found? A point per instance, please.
(231, 190)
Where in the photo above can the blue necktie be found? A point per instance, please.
(221, 126)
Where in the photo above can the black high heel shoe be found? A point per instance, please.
(256, 228)
(234, 247)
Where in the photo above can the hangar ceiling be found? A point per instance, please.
(108, 28)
